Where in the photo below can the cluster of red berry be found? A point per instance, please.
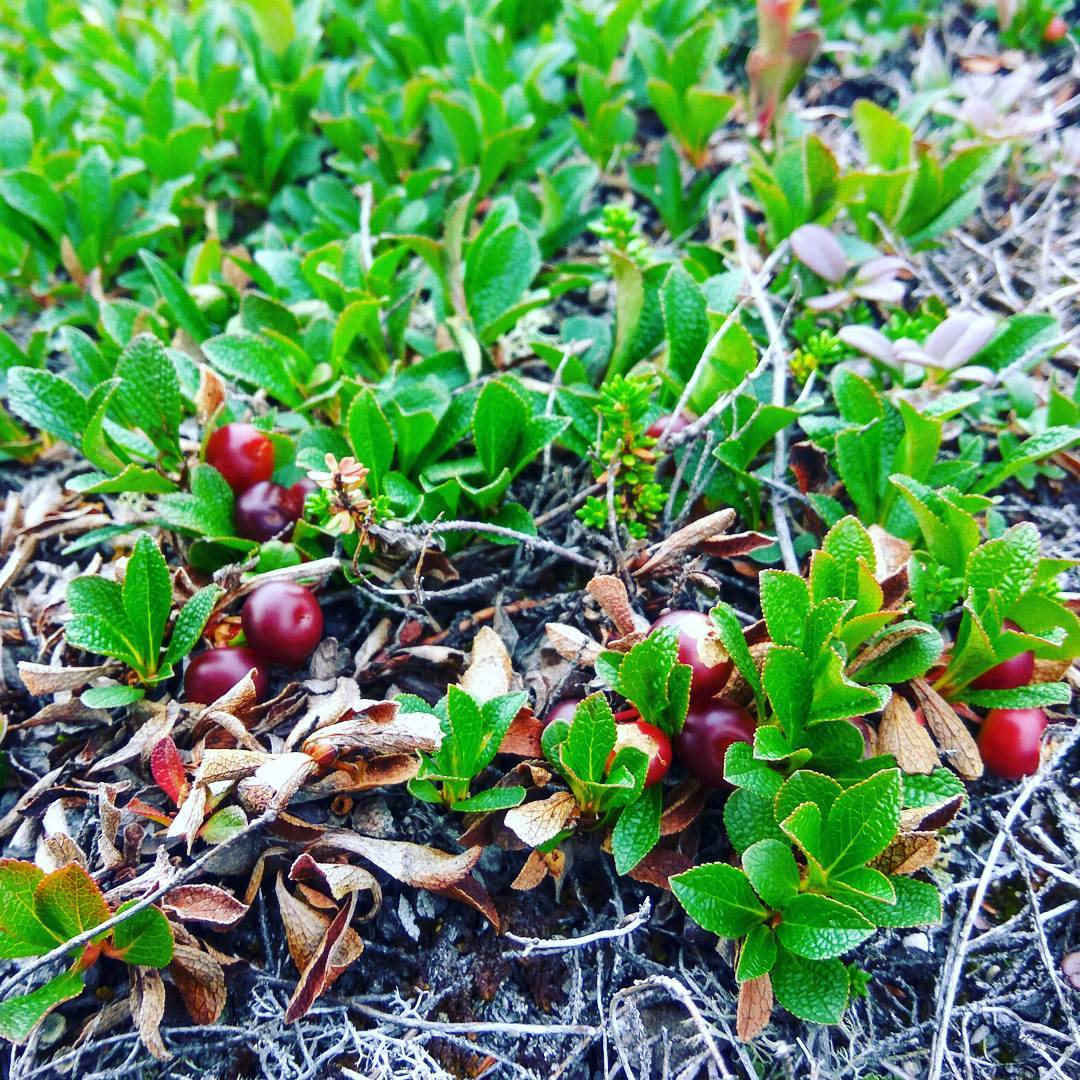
(1010, 739)
(244, 455)
(282, 625)
(712, 724)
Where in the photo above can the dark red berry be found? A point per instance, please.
(1009, 741)
(1009, 674)
(710, 728)
(283, 623)
(264, 511)
(693, 629)
(651, 741)
(563, 709)
(298, 494)
(242, 454)
(668, 423)
(215, 672)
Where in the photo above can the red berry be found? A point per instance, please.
(693, 627)
(1009, 674)
(242, 454)
(1009, 741)
(651, 741)
(710, 728)
(298, 494)
(563, 709)
(670, 423)
(1055, 30)
(283, 623)
(265, 510)
(215, 672)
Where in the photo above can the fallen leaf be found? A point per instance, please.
(688, 538)
(43, 679)
(147, 1009)
(907, 853)
(901, 735)
(571, 644)
(490, 672)
(204, 903)
(537, 822)
(200, 981)
(659, 866)
(522, 738)
(950, 732)
(275, 782)
(167, 768)
(754, 1008)
(610, 593)
(339, 879)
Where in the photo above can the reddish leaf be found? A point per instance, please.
(167, 768)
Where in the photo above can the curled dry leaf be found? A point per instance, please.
(930, 818)
(682, 807)
(226, 764)
(157, 725)
(522, 738)
(189, 818)
(379, 730)
(537, 822)
(659, 866)
(610, 593)
(323, 710)
(339, 879)
(949, 731)
(571, 644)
(239, 700)
(275, 782)
(890, 552)
(901, 735)
(755, 1007)
(484, 829)
(490, 672)
(538, 866)
(43, 679)
(210, 396)
(730, 547)
(147, 1009)
(1051, 670)
(109, 826)
(360, 775)
(200, 980)
(886, 641)
(689, 538)
(206, 904)
(907, 853)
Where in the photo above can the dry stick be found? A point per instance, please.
(956, 959)
(513, 534)
(494, 1027)
(779, 361)
(622, 929)
(267, 817)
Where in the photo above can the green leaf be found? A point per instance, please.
(49, 402)
(806, 786)
(1035, 696)
(132, 477)
(19, 1016)
(905, 650)
(191, 622)
(33, 197)
(818, 928)
(256, 361)
(638, 829)
(932, 788)
(787, 678)
(223, 825)
(499, 268)
(590, 739)
(917, 903)
(814, 990)
(371, 436)
(147, 595)
(149, 392)
(772, 871)
(863, 881)
(785, 604)
(206, 511)
(22, 933)
(748, 818)
(804, 825)
(497, 798)
(757, 955)
(498, 714)
(862, 821)
(185, 312)
(686, 321)
(114, 696)
(98, 634)
(145, 939)
(500, 418)
(719, 899)
(646, 679)
(999, 571)
(465, 728)
(731, 637)
(743, 770)
(69, 902)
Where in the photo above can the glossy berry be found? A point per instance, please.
(265, 510)
(216, 671)
(1009, 741)
(692, 628)
(669, 423)
(651, 741)
(242, 454)
(298, 494)
(563, 709)
(1009, 674)
(1055, 30)
(283, 623)
(710, 728)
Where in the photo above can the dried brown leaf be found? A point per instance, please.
(490, 672)
(890, 552)
(755, 1007)
(610, 593)
(688, 538)
(532, 873)
(418, 865)
(43, 679)
(949, 730)
(907, 853)
(208, 904)
(147, 1009)
(339, 879)
(901, 735)
(659, 866)
(522, 738)
(275, 782)
(730, 547)
(682, 807)
(537, 822)
(571, 644)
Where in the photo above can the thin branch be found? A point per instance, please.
(623, 928)
(512, 534)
